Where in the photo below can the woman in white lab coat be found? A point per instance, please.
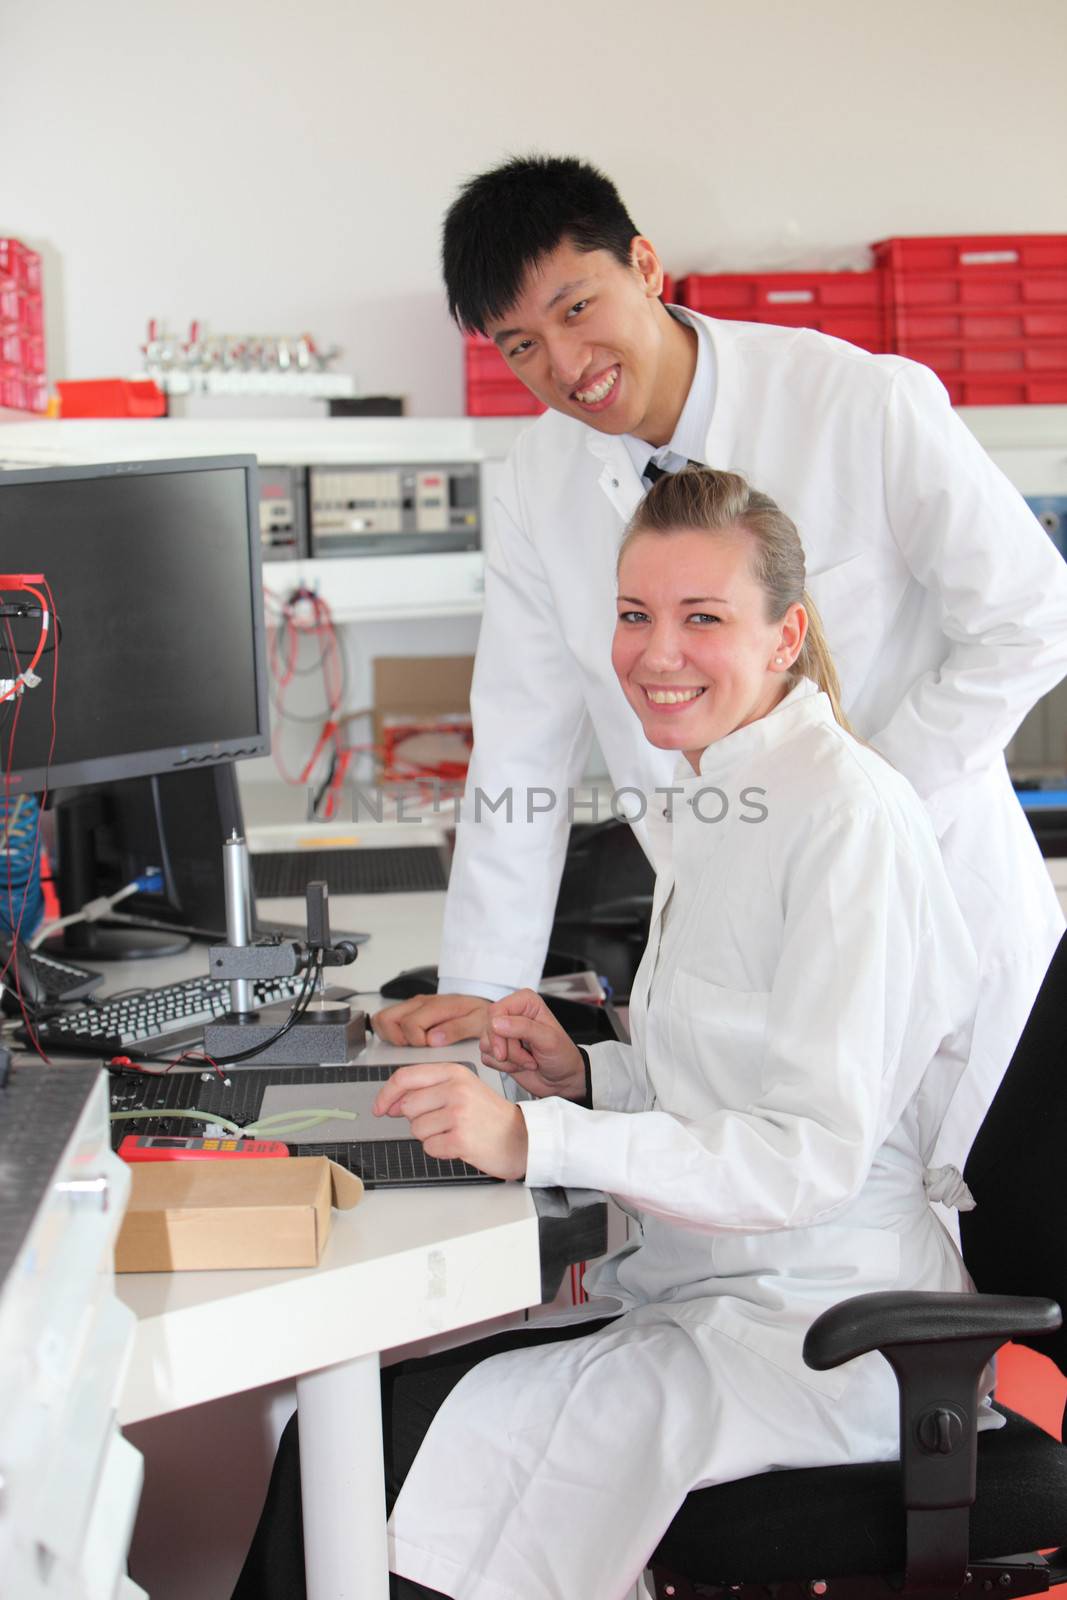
(797, 1022)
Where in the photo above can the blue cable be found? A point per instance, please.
(21, 895)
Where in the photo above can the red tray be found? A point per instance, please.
(982, 253)
(1022, 390)
(746, 293)
(980, 356)
(502, 400)
(989, 322)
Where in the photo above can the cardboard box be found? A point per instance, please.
(195, 1215)
(420, 688)
(413, 697)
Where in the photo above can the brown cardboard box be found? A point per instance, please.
(192, 1215)
(421, 688)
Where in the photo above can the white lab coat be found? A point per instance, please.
(805, 975)
(944, 603)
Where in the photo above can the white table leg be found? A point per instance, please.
(342, 1482)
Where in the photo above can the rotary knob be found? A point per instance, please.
(941, 1430)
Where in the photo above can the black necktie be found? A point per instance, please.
(653, 473)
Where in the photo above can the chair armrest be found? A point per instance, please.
(572, 1226)
(873, 1321)
(938, 1346)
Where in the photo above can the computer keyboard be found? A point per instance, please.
(381, 869)
(154, 1019)
(62, 980)
(381, 1163)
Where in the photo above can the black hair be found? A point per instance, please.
(504, 221)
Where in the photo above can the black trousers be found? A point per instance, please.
(412, 1394)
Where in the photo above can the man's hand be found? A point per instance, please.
(523, 1038)
(457, 1117)
(431, 1019)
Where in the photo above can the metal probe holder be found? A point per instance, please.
(328, 1031)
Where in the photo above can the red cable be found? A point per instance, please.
(42, 638)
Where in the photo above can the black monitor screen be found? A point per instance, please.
(154, 570)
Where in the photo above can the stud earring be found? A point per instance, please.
(779, 661)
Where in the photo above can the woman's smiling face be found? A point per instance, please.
(694, 650)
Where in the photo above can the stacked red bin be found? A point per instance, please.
(848, 305)
(22, 371)
(988, 313)
(493, 390)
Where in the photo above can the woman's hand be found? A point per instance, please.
(457, 1117)
(523, 1038)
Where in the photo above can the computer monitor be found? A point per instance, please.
(158, 643)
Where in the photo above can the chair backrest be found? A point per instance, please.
(1015, 1240)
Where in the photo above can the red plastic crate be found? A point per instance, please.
(978, 356)
(1018, 322)
(1024, 390)
(111, 397)
(978, 291)
(492, 388)
(502, 400)
(847, 305)
(22, 350)
(31, 314)
(18, 261)
(988, 312)
(21, 391)
(981, 253)
(766, 292)
(22, 363)
(13, 393)
(486, 364)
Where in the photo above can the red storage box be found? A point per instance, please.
(1015, 322)
(848, 305)
(111, 397)
(22, 386)
(986, 252)
(988, 312)
(486, 364)
(502, 400)
(31, 314)
(13, 392)
(18, 261)
(492, 388)
(978, 356)
(1048, 389)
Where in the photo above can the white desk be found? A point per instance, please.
(400, 1267)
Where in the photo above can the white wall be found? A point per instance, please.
(275, 166)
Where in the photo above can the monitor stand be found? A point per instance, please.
(90, 941)
(174, 822)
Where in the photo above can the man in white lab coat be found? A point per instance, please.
(944, 603)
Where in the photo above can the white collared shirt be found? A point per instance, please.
(688, 442)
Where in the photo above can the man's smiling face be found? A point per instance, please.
(589, 337)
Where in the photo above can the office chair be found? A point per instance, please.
(605, 902)
(942, 1520)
